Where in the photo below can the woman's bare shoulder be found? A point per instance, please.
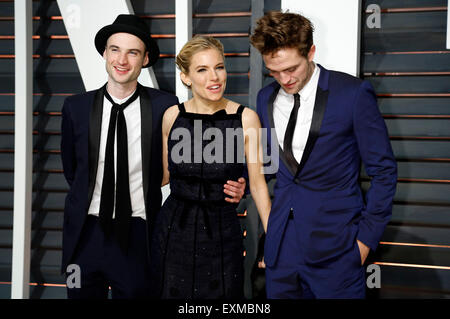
(169, 117)
(250, 118)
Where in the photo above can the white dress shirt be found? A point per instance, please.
(132, 115)
(282, 107)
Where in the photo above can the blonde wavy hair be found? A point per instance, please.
(193, 46)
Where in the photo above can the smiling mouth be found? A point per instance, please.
(121, 70)
(214, 87)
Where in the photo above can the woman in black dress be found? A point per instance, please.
(197, 249)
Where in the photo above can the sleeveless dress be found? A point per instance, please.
(197, 243)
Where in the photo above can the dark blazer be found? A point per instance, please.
(323, 191)
(80, 142)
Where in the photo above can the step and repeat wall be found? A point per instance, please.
(399, 46)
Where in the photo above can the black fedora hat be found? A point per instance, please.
(128, 23)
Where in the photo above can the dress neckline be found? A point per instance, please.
(218, 114)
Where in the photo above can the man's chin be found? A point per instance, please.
(122, 80)
(291, 90)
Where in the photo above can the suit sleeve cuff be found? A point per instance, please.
(370, 234)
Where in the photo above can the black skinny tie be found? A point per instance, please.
(121, 225)
(289, 134)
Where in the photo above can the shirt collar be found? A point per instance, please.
(121, 101)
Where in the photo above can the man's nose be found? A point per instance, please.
(123, 58)
(284, 78)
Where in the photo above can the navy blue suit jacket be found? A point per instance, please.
(80, 142)
(323, 190)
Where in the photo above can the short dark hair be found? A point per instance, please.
(277, 30)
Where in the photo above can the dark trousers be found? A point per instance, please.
(292, 278)
(104, 265)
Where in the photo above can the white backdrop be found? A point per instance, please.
(337, 31)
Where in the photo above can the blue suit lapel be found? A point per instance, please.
(273, 96)
(318, 113)
(270, 102)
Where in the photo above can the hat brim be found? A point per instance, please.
(151, 46)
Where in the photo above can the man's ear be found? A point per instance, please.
(311, 53)
(145, 58)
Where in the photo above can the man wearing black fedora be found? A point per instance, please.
(111, 153)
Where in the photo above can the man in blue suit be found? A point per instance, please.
(321, 226)
(112, 158)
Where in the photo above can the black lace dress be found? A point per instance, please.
(197, 248)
